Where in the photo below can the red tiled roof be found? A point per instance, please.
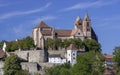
(42, 24)
(63, 32)
(2, 54)
(109, 72)
(108, 56)
(46, 32)
(71, 47)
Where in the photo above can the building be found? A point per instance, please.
(71, 54)
(82, 29)
(56, 59)
(109, 61)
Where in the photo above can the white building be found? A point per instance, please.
(56, 59)
(71, 54)
(4, 47)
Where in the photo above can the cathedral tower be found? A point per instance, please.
(78, 22)
(87, 26)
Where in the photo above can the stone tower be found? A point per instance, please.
(87, 26)
(78, 22)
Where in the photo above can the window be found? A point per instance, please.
(87, 24)
(78, 33)
(73, 57)
(73, 54)
(88, 29)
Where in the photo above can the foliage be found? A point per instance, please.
(12, 65)
(63, 69)
(116, 59)
(88, 44)
(22, 72)
(90, 63)
(92, 45)
(1, 43)
(25, 43)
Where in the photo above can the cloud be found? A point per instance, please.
(85, 5)
(44, 18)
(13, 14)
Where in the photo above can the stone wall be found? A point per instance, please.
(31, 67)
(57, 52)
(33, 55)
(37, 56)
(1, 68)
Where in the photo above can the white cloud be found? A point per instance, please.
(85, 5)
(12, 14)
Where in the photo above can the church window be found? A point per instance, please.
(56, 35)
(87, 24)
(88, 29)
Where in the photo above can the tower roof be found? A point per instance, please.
(86, 18)
(78, 18)
(42, 24)
(71, 47)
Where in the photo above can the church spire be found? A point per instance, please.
(78, 18)
(86, 18)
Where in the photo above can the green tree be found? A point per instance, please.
(66, 43)
(116, 59)
(49, 43)
(27, 43)
(90, 63)
(78, 43)
(92, 45)
(63, 69)
(12, 46)
(1, 43)
(12, 65)
(57, 43)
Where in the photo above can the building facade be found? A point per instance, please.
(82, 29)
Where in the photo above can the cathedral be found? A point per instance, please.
(82, 29)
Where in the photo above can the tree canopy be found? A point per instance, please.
(88, 44)
(12, 65)
(25, 43)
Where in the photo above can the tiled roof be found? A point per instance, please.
(46, 32)
(108, 56)
(63, 32)
(2, 54)
(71, 47)
(73, 32)
(109, 72)
(42, 24)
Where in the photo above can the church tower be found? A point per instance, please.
(78, 22)
(87, 26)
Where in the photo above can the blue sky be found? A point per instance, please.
(19, 17)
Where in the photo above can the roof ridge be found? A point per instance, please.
(42, 24)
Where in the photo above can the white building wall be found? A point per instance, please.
(72, 56)
(56, 60)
